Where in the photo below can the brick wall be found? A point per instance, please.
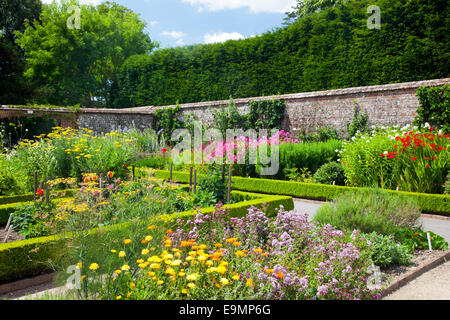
(392, 104)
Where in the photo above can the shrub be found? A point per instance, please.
(307, 155)
(417, 239)
(370, 210)
(359, 122)
(386, 251)
(330, 173)
(434, 106)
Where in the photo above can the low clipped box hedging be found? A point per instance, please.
(428, 203)
(27, 258)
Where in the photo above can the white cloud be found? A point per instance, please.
(177, 35)
(153, 23)
(255, 6)
(222, 37)
(93, 2)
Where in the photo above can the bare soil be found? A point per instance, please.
(13, 236)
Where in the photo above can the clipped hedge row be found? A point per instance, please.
(30, 196)
(27, 258)
(428, 203)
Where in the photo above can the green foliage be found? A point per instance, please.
(166, 122)
(230, 118)
(212, 182)
(359, 122)
(447, 184)
(417, 239)
(386, 251)
(266, 114)
(307, 7)
(79, 66)
(293, 174)
(30, 221)
(371, 210)
(307, 155)
(434, 106)
(321, 134)
(329, 49)
(330, 173)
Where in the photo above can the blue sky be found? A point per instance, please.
(184, 22)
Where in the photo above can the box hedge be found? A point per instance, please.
(27, 258)
(428, 203)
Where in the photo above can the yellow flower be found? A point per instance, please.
(209, 263)
(218, 245)
(127, 241)
(139, 261)
(231, 240)
(143, 265)
(79, 265)
(148, 238)
(181, 274)
(145, 251)
(155, 266)
(192, 277)
(191, 285)
(125, 267)
(151, 227)
(248, 283)
(270, 271)
(235, 277)
(224, 281)
(118, 297)
(122, 254)
(113, 251)
(175, 263)
(132, 285)
(160, 282)
(184, 291)
(94, 266)
(170, 271)
(240, 253)
(151, 274)
(236, 244)
(117, 272)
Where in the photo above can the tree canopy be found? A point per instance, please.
(329, 49)
(79, 66)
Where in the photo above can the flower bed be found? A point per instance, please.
(31, 257)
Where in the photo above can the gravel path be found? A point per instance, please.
(432, 285)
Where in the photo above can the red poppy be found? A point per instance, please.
(125, 165)
(427, 165)
(40, 192)
(163, 150)
(414, 158)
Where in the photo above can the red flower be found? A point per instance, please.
(125, 165)
(163, 150)
(40, 192)
(414, 158)
(434, 157)
(427, 165)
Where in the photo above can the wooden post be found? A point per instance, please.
(223, 173)
(9, 221)
(195, 181)
(190, 179)
(35, 185)
(229, 185)
(133, 170)
(47, 192)
(171, 172)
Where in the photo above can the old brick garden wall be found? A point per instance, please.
(392, 104)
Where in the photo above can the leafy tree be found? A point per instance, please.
(306, 7)
(79, 66)
(13, 14)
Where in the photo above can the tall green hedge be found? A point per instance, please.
(326, 50)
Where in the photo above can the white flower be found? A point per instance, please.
(427, 125)
(337, 150)
(385, 153)
(338, 160)
(440, 132)
(353, 138)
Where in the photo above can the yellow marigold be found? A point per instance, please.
(236, 243)
(209, 263)
(235, 277)
(155, 266)
(148, 238)
(145, 251)
(117, 271)
(170, 271)
(94, 266)
(224, 281)
(231, 240)
(184, 291)
(125, 267)
(249, 283)
(113, 251)
(270, 271)
(181, 274)
(151, 227)
(191, 285)
(176, 263)
(258, 250)
(222, 269)
(139, 261)
(279, 275)
(240, 253)
(127, 241)
(218, 245)
(132, 285)
(192, 277)
(160, 282)
(122, 254)
(143, 265)
(151, 274)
